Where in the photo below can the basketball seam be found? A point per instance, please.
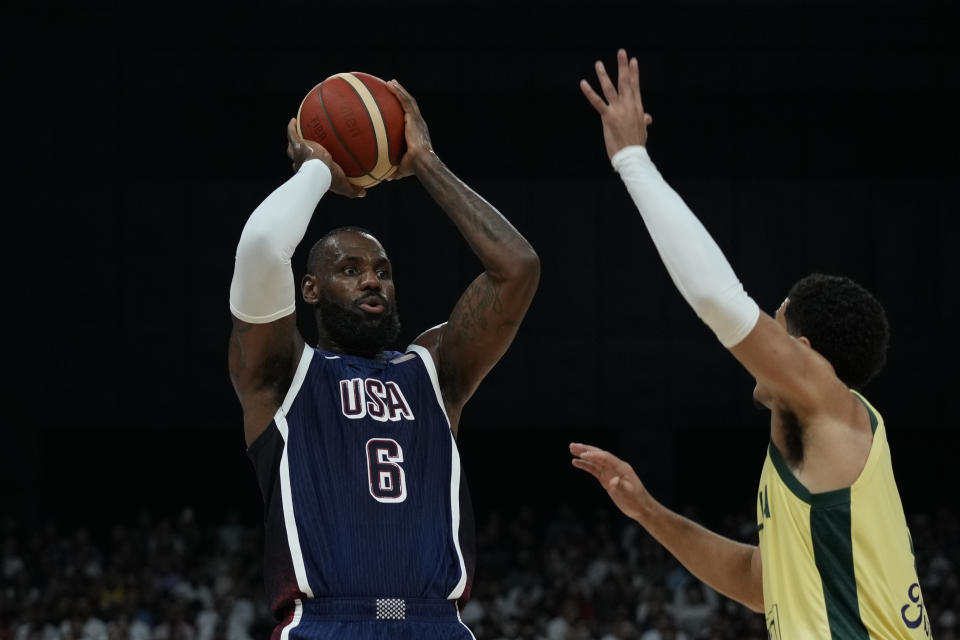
(384, 166)
(372, 128)
(334, 128)
(384, 119)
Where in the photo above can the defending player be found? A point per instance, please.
(368, 529)
(835, 558)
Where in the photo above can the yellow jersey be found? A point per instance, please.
(838, 565)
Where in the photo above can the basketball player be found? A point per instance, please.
(368, 532)
(835, 558)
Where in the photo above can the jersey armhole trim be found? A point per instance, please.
(837, 496)
(878, 446)
(298, 377)
(874, 419)
(301, 374)
(821, 500)
(431, 368)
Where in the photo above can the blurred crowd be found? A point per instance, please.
(554, 573)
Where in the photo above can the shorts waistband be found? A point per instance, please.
(380, 608)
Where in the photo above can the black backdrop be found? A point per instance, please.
(808, 136)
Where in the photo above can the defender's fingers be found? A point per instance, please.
(609, 91)
(623, 74)
(634, 73)
(599, 456)
(592, 97)
(593, 470)
(609, 461)
(602, 469)
(578, 447)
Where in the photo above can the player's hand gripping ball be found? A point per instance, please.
(356, 118)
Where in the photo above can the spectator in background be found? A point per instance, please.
(694, 604)
(525, 584)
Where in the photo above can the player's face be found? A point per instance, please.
(355, 294)
(761, 395)
(356, 272)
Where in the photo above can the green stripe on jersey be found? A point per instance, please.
(815, 500)
(873, 417)
(833, 554)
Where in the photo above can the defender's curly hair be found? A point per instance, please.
(843, 322)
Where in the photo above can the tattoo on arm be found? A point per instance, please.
(486, 316)
(470, 316)
(478, 217)
(477, 326)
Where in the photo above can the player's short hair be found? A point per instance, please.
(843, 322)
(314, 255)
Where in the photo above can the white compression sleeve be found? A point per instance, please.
(694, 261)
(263, 288)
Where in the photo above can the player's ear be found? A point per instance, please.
(308, 289)
(804, 339)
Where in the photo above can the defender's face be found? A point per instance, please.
(760, 394)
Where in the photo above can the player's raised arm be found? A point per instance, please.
(485, 320)
(265, 343)
(796, 374)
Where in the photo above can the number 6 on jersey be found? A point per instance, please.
(387, 480)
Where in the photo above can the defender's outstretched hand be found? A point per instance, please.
(616, 476)
(624, 120)
(299, 150)
(414, 130)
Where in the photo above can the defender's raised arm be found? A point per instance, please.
(794, 373)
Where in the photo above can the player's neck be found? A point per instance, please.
(331, 346)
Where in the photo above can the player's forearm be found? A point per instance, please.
(722, 563)
(263, 288)
(503, 251)
(695, 263)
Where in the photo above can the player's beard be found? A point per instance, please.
(357, 332)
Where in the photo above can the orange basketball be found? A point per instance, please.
(356, 118)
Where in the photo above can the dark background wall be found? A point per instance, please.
(808, 136)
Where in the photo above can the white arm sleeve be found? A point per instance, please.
(694, 261)
(263, 289)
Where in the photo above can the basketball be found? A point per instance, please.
(356, 118)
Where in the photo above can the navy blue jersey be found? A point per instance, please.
(363, 491)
